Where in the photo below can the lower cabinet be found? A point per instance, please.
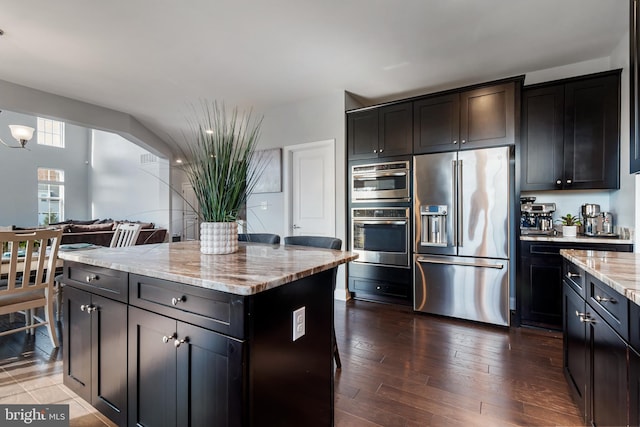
(95, 356)
(597, 359)
(182, 375)
(634, 388)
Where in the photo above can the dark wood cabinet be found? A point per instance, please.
(634, 387)
(575, 347)
(381, 284)
(380, 132)
(480, 117)
(634, 86)
(540, 280)
(95, 342)
(182, 374)
(571, 133)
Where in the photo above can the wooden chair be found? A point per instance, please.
(321, 242)
(273, 239)
(27, 277)
(126, 234)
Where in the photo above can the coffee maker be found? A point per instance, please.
(536, 218)
(596, 223)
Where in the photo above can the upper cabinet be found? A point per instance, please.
(481, 117)
(380, 132)
(634, 100)
(571, 134)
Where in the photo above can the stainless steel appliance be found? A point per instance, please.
(591, 219)
(386, 182)
(463, 203)
(536, 218)
(607, 224)
(381, 236)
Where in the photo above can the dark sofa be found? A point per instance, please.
(100, 232)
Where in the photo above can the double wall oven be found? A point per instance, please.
(380, 230)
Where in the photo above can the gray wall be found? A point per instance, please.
(18, 172)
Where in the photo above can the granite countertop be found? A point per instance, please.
(254, 268)
(577, 239)
(619, 270)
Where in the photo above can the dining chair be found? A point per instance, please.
(27, 273)
(126, 234)
(273, 239)
(321, 242)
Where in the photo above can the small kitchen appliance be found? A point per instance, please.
(591, 219)
(536, 218)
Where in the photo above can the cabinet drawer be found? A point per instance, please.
(575, 277)
(381, 288)
(97, 280)
(634, 326)
(214, 310)
(610, 304)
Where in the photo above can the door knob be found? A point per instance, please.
(167, 338)
(178, 342)
(295, 227)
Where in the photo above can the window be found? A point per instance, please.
(50, 132)
(50, 196)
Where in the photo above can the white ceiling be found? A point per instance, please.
(152, 58)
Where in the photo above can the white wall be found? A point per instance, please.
(123, 188)
(318, 119)
(19, 168)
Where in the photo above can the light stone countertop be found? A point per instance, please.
(254, 268)
(619, 270)
(559, 238)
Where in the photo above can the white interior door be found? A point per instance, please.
(311, 183)
(190, 224)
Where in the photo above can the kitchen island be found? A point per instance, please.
(601, 319)
(163, 335)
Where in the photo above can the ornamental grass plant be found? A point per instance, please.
(221, 164)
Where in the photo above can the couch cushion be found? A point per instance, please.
(78, 228)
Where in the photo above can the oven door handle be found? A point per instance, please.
(466, 264)
(368, 222)
(379, 174)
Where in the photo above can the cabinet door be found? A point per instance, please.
(542, 291)
(608, 372)
(210, 375)
(575, 347)
(542, 138)
(109, 358)
(487, 116)
(634, 388)
(396, 130)
(77, 342)
(152, 369)
(362, 134)
(436, 122)
(592, 133)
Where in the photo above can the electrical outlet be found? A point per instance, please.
(299, 323)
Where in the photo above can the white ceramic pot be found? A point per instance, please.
(569, 230)
(218, 237)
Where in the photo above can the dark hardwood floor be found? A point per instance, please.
(399, 368)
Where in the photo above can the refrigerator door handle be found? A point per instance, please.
(460, 205)
(454, 174)
(467, 264)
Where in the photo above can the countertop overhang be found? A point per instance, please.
(559, 238)
(254, 268)
(619, 270)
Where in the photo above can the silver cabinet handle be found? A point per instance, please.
(88, 308)
(455, 141)
(375, 151)
(464, 141)
(90, 278)
(569, 181)
(462, 263)
(381, 150)
(572, 275)
(559, 182)
(178, 342)
(167, 338)
(176, 301)
(603, 300)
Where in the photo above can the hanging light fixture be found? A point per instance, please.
(20, 133)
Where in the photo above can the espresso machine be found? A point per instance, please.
(596, 223)
(536, 218)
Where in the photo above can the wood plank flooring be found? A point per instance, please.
(399, 369)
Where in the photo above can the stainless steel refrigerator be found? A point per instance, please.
(462, 208)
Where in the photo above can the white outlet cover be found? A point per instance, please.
(299, 323)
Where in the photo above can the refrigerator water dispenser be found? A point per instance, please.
(434, 225)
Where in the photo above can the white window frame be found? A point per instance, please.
(46, 197)
(50, 132)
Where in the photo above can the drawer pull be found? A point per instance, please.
(176, 301)
(584, 317)
(166, 339)
(603, 300)
(378, 287)
(178, 342)
(91, 278)
(571, 275)
(88, 308)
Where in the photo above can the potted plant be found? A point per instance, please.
(219, 166)
(570, 225)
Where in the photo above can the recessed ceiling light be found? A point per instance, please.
(209, 131)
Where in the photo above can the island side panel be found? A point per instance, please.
(291, 382)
